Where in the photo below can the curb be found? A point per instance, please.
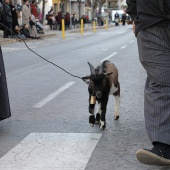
(8, 41)
(51, 35)
(91, 29)
(28, 39)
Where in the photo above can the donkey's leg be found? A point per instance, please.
(117, 103)
(91, 111)
(102, 124)
(98, 113)
(117, 107)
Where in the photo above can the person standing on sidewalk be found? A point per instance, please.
(34, 9)
(151, 25)
(26, 12)
(14, 15)
(4, 99)
(7, 19)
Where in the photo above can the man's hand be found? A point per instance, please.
(134, 28)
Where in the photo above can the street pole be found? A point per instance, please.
(43, 11)
(63, 29)
(70, 16)
(82, 27)
(79, 8)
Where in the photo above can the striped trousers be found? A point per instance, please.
(154, 54)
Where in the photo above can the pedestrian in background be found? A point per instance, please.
(50, 15)
(4, 99)
(14, 15)
(34, 9)
(151, 25)
(7, 19)
(26, 12)
(18, 11)
(67, 20)
(38, 11)
(32, 26)
(116, 15)
(74, 20)
(123, 18)
(59, 20)
(26, 32)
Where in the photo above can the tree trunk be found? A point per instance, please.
(43, 12)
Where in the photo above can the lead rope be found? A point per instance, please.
(87, 82)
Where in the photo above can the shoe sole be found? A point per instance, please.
(149, 158)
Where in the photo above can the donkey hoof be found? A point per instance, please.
(92, 119)
(102, 125)
(96, 122)
(91, 125)
(116, 117)
(98, 117)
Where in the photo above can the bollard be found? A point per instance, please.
(94, 26)
(106, 25)
(82, 27)
(63, 29)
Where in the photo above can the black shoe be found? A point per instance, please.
(158, 155)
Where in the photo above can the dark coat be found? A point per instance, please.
(148, 13)
(59, 17)
(4, 100)
(67, 18)
(7, 13)
(14, 16)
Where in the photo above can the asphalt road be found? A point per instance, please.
(44, 99)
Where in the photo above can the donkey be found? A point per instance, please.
(103, 82)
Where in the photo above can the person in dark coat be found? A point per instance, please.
(4, 99)
(60, 20)
(123, 19)
(67, 20)
(50, 15)
(7, 19)
(14, 16)
(117, 15)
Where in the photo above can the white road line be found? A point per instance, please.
(88, 33)
(16, 49)
(53, 95)
(110, 56)
(123, 47)
(121, 32)
(70, 38)
(4, 48)
(51, 151)
(104, 49)
(131, 42)
(103, 33)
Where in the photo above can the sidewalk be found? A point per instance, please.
(49, 33)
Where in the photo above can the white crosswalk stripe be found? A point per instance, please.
(51, 151)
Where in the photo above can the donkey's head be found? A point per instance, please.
(97, 79)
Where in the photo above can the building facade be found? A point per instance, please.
(116, 4)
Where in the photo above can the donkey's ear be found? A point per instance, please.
(86, 78)
(108, 74)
